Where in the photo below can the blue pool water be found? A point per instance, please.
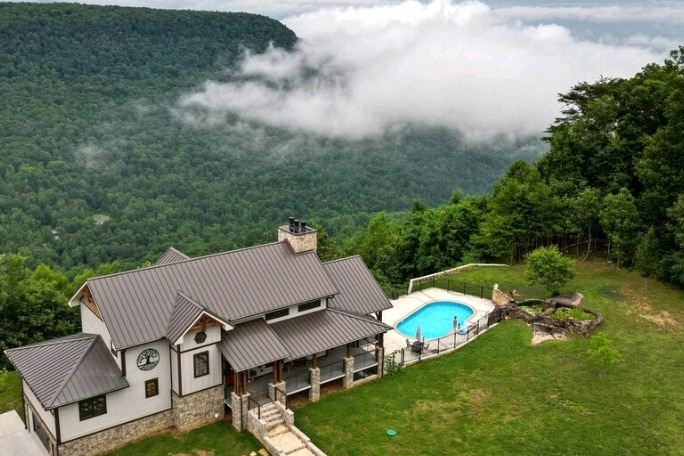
(436, 319)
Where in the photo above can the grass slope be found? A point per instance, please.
(501, 396)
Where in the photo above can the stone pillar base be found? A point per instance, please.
(315, 391)
(272, 391)
(238, 405)
(380, 357)
(348, 380)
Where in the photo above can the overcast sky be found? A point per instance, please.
(484, 68)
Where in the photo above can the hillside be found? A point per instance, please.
(91, 132)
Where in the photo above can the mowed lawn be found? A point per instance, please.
(500, 395)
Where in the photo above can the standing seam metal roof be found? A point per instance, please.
(359, 292)
(185, 312)
(137, 305)
(325, 329)
(69, 369)
(252, 344)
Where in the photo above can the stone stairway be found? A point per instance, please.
(286, 440)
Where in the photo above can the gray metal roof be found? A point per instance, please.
(252, 344)
(185, 313)
(171, 256)
(325, 329)
(69, 369)
(359, 292)
(137, 305)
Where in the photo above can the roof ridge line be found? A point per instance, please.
(190, 260)
(59, 340)
(73, 370)
(338, 260)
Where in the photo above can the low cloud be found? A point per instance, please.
(361, 70)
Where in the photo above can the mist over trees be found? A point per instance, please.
(611, 185)
(100, 162)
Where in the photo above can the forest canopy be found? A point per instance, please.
(98, 163)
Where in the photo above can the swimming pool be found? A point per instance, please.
(436, 319)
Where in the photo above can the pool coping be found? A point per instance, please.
(407, 304)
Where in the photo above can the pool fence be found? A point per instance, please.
(429, 348)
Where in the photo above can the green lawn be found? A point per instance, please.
(10, 393)
(499, 395)
(217, 439)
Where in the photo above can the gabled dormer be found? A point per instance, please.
(191, 322)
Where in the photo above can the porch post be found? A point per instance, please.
(238, 404)
(348, 380)
(315, 376)
(380, 357)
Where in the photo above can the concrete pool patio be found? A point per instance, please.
(407, 304)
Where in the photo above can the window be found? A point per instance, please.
(308, 306)
(152, 387)
(201, 364)
(277, 314)
(200, 337)
(90, 408)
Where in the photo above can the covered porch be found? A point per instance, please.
(263, 360)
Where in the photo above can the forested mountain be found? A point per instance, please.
(98, 165)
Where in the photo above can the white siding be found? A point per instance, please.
(192, 384)
(213, 337)
(47, 417)
(93, 325)
(127, 404)
(294, 312)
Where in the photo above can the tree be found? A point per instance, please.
(620, 221)
(648, 258)
(547, 266)
(601, 353)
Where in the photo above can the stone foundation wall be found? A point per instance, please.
(198, 408)
(117, 436)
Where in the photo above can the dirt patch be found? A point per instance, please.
(642, 307)
(663, 319)
(542, 334)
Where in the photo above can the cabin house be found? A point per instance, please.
(186, 341)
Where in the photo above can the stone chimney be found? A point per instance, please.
(299, 235)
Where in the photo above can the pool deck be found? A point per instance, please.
(407, 304)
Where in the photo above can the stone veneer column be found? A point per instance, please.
(272, 390)
(238, 405)
(380, 357)
(348, 380)
(315, 391)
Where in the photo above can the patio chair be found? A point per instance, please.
(426, 347)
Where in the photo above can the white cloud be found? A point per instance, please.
(459, 65)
